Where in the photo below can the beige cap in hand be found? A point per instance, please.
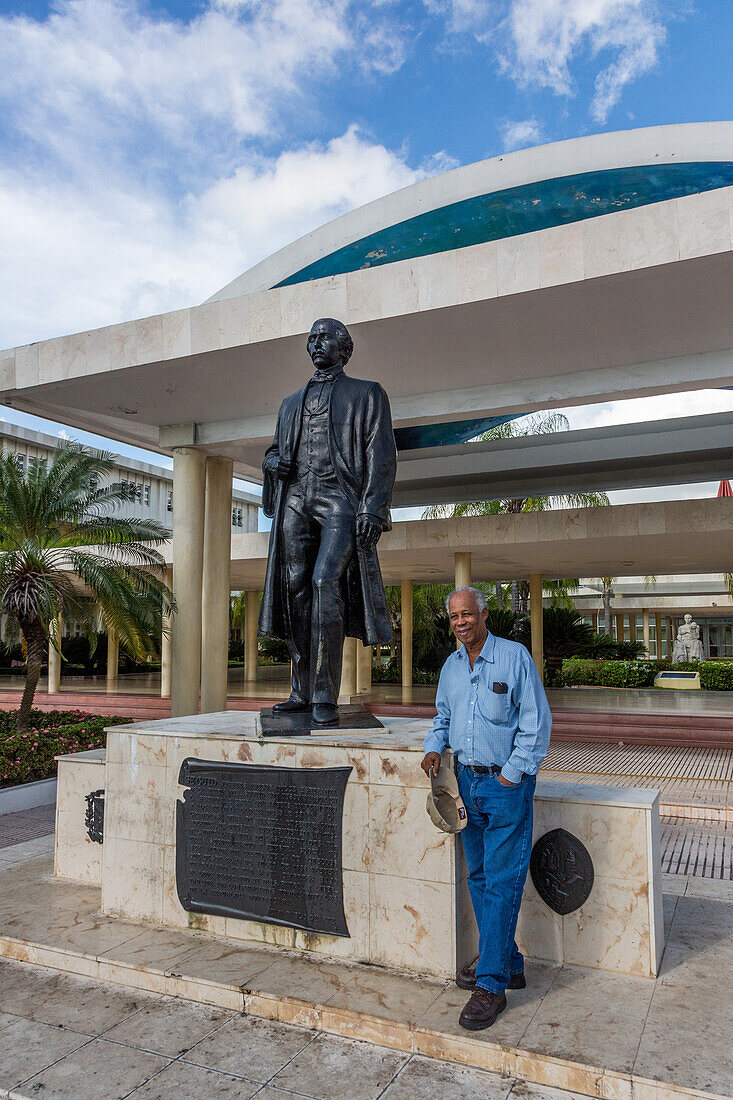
(445, 805)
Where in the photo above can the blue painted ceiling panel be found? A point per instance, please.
(518, 210)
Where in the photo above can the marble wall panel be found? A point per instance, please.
(606, 245)
(476, 273)
(399, 289)
(297, 306)
(363, 295)
(436, 280)
(132, 880)
(561, 255)
(328, 756)
(136, 806)
(176, 333)
(24, 371)
(616, 838)
(265, 317)
(518, 264)
(122, 345)
(355, 825)
(655, 239)
(329, 297)
(402, 839)
(150, 339)
(611, 931)
(234, 322)
(96, 351)
(75, 855)
(400, 769)
(704, 223)
(412, 925)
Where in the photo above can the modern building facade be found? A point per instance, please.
(591, 270)
(152, 485)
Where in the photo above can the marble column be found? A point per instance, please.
(251, 615)
(535, 621)
(189, 491)
(348, 671)
(165, 645)
(215, 587)
(363, 668)
(462, 573)
(647, 633)
(113, 660)
(658, 627)
(54, 661)
(462, 567)
(406, 618)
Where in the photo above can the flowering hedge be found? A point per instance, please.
(25, 757)
(714, 675)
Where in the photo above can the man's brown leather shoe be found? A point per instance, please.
(466, 979)
(482, 1009)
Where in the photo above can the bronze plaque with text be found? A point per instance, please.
(262, 843)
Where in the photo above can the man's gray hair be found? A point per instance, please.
(480, 597)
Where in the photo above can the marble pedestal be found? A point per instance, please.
(405, 883)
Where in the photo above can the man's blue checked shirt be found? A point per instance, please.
(494, 713)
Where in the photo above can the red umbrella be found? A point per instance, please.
(724, 489)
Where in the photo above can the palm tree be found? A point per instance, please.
(539, 424)
(58, 548)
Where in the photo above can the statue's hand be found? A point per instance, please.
(278, 466)
(368, 531)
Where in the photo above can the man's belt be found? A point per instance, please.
(479, 769)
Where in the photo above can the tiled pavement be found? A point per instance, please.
(26, 825)
(118, 1039)
(64, 1037)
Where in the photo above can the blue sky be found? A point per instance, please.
(149, 153)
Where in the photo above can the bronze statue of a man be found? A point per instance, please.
(329, 474)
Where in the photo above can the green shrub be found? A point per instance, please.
(716, 675)
(392, 674)
(626, 674)
(26, 757)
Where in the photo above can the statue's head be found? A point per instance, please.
(329, 345)
(688, 618)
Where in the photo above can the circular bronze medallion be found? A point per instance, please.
(562, 871)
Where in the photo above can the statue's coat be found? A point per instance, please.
(364, 458)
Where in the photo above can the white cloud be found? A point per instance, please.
(142, 176)
(545, 36)
(519, 135)
(80, 257)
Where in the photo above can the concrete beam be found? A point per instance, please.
(668, 452)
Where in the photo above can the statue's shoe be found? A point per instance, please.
(325, 714)
(294, 705)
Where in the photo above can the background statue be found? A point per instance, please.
(688, 644)
(328, 478)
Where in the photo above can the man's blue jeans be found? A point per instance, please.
(498, 842)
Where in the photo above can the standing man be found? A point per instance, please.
(494, 715)
(328, 481)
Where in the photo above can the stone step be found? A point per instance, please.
(371, 1004)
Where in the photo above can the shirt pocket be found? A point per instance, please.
(493, 707)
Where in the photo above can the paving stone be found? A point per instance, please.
(28, 1047)
(64, 1000)
(331, 1068)
(592, 1017)
(106, 1069)
(256, 1049)
(182, 1081)
(426, 1079)
(168, 1026)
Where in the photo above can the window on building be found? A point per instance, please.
(20, 460)
(169, 501)
(146, 495)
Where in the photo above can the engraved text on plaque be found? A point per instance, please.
(262, 843)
